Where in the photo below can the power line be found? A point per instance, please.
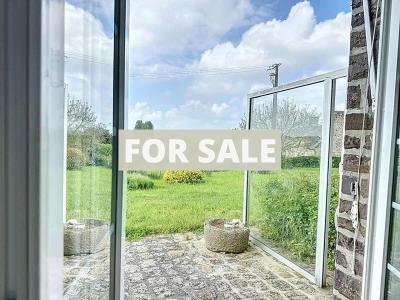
(170, 74)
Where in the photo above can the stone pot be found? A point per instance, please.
(86, 236)
(221, 236)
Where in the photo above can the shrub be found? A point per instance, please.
(152, 174)
(183, 176)
(306, 162)
(300, 162)
(336, 162)
(287, 212)
(75, 159)
(101, 155)
(138, 181)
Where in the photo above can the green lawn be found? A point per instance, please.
(284, 205)
(89, 193)
(167, 208)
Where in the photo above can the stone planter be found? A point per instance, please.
(226, 236)
(85, 237)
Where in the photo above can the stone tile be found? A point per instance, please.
(180, 267)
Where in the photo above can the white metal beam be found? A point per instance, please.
(321, 254)
(296, 84)
(383, 153)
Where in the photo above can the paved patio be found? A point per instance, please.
(180, 267)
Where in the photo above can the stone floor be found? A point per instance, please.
(179, 267)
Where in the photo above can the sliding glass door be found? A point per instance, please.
(393, 264)
(94, 63)
(291, 211)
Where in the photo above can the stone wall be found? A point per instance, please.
(338, 133)
(348, 284)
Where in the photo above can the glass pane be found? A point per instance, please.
(393, 286)
(340, 100)
(396, 196)
(284, 204)
(394, 244)
(392, 282)
(89, 101)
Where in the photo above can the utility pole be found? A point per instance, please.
(273, 73)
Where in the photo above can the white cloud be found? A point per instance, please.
(143, 111)
(85, 37)
(219, 108)
(174, 27)
(180, 30)
(298, 42)
(88, 63)
(303, 46)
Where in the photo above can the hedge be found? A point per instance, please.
(285, 210)
(101, 155)
(75, 159)
(306, 162)
(139, 182)
(152, 174)
(183, 176)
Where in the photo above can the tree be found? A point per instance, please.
(144, 125)
(84, 131)
(80, 116)
(296, 123)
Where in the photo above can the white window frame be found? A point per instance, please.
(329, 80)
(383, 153)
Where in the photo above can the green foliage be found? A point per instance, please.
(173, 208)
(286, 205)
(144, 125)
(336, 161)
(183, 207)
(183, 176)
(101, 155)
(306, 162)
(85, 132)
(152, 174)
(75, 159)
(300, 162)
(138, 181)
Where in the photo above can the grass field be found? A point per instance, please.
(283, 205)
(167, 208)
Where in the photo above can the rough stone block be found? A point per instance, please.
(355, 121)
(358, 66)
(364, 190)
(357, 19)
(353, 96)
(341, 259)
(356, 3)
(358, 267)
(348, 243)
(351, 161)
(346, 184)
(368, 142)
(357, 39)
(347, 285)
(351, 142)
(344, 206)
(345, 223)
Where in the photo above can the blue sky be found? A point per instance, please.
(193, 62)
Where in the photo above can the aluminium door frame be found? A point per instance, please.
(120, 102)
(329, 80)
(383, 153)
